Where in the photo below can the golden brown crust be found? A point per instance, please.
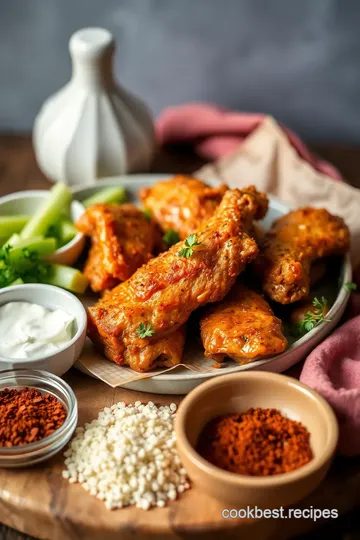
(292, 244)
(164, 352)
(182, 203)
(242, 327)
(164, 292)
(122, 240)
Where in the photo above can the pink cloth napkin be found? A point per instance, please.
(215, 132)
(333, 368)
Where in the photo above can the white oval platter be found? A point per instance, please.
(181, 380)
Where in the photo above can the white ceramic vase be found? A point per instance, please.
(92, 128)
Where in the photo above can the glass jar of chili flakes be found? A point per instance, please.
(46, 383)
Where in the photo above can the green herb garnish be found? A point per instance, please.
(171, 237)
(312, 318)
(350, 286)
(23, 264)
(147, 214)
(145, 330)
(7, 272)
(190, 243)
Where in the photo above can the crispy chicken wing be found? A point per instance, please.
(161, 295)
(182, 203)
(242, 327)
(165, 352)
(292, 244)
(122, 240)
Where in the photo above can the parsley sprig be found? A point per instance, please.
(171, 237)
(312, 317)
(22, 264)
(350, 286)
(147, 214)
(190, 243)
(145, 330)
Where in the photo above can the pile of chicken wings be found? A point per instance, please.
(185, 250)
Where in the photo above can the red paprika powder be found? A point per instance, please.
(27, 415)
(259, 442)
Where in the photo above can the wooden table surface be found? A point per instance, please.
(57, 514)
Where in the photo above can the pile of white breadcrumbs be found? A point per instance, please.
(128, 456)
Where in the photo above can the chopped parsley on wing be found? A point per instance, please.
(312, 318)
(145, 330)
(190, 243)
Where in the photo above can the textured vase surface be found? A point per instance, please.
(92, 127)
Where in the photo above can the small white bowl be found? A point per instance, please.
(52, 298)
(27, 202)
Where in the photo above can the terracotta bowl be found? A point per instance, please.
(237, 393)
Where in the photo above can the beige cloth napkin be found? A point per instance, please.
(267, 160)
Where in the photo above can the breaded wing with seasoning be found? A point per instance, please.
(182, 203)
(242, 327)
(292, 244)
(122, 241)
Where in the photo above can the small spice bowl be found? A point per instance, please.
(46, 383)
(237, 393)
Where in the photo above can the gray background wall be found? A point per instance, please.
(298, 60)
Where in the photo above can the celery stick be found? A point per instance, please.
(115, 194)
(39, 244)
(67, 278)
(17, 281)
(66, 230)
(13, 240)
(12, 224)
(48, 213)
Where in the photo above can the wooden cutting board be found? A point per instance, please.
(41, 503)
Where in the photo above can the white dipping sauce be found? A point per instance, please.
(29, 330)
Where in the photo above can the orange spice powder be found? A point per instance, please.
(27, 415)
(259, 442)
